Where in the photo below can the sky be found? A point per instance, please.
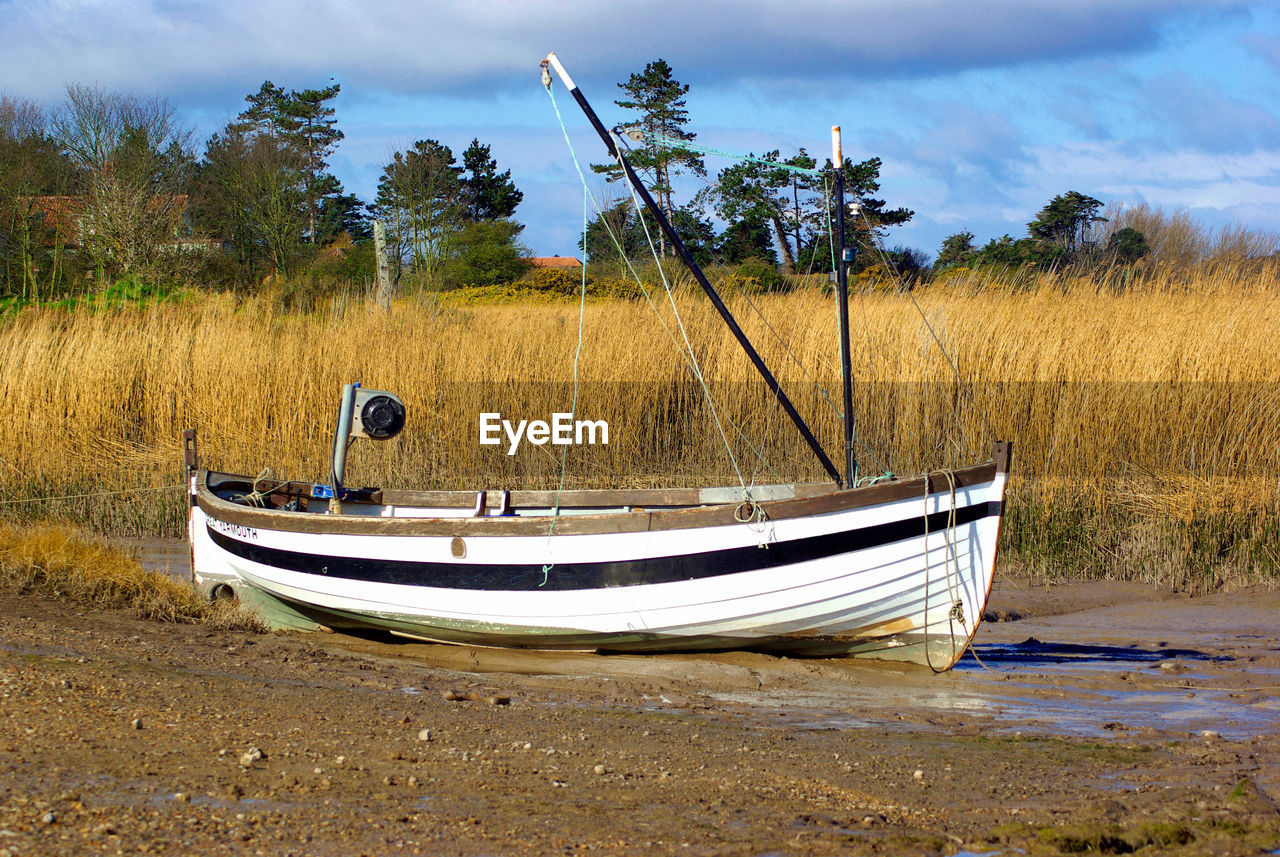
(980, 111)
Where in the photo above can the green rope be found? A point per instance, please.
(677, 143)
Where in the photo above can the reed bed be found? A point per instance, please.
(1146, 424)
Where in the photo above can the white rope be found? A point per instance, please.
(950, 557)
(692, 357)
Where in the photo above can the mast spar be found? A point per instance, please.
(842, 292)
(553, 62)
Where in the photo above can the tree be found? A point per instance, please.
(1128, 245)
(250, 193)
(1066, 221)
(867, 222)
(696, 233)
(614, 235)
(420, 200)
(956, 250)
(265, 113)
(758, 194)
(658, 98)
(311, 129)
(132, 159)
(303, 120)
(487, 194)
(745, 239)
(341, 213)
(486, 252)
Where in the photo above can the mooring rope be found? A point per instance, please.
(92, 494)
(949, 556)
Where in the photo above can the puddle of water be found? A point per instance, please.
(1032, 652)
(167, 556)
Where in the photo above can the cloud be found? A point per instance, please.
(475, 46)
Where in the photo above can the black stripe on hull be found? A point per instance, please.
(600, 575)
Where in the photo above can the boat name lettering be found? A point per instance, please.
(562, 430)
(236, 530)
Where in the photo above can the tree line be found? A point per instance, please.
(109, 186)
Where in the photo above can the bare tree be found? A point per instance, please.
(131, 157)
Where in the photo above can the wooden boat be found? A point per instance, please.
(898, 570)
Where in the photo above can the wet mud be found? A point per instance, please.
(1097, 717)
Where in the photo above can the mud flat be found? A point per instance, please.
(1101, 717)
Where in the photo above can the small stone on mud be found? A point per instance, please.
(1210, 734)
(182, 797)
(424, 735)
(49, 818)
(600, 769)
(919, 774)
(135, 723)
(253, 754)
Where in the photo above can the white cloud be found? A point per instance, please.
(398, 45)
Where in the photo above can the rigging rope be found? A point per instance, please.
(688, 355)
(641, 136)
(889, 265)
(692, 356)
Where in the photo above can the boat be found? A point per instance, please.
(896, 570)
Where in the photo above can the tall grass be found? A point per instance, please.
(1146, 423)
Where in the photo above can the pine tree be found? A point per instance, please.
(303, 121)
(487, 193)
(759, 195)
(311, 127)
(659, 99)
(264, 113)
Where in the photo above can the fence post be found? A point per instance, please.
(380, 253)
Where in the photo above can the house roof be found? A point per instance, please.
(63, 213)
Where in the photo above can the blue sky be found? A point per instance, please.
(981, 111)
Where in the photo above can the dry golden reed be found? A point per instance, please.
(62, 562)
(1095, 388)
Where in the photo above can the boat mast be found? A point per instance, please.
(687, 258)
(842, 292)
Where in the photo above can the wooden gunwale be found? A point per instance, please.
(639, 520)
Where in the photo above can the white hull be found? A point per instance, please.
(866, 579)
